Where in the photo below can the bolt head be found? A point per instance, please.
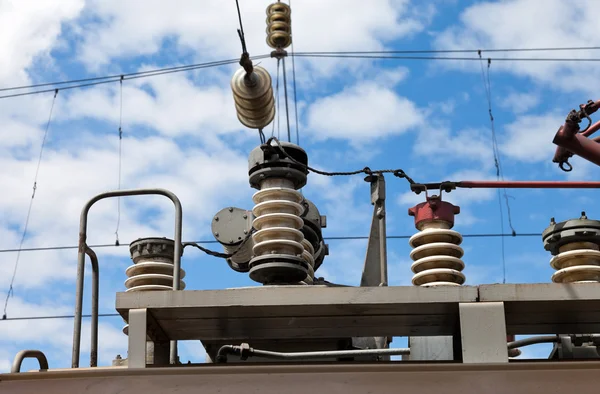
(217, 235)
(230, 209)
(216, 218)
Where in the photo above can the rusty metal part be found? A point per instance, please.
(279, 25)
(448, 186)
(575, 245)
(253, 97)
(436, 254)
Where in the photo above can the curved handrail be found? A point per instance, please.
(23, 354)
(83, 248)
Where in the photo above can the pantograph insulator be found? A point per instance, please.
(279, 25)
(253, 97)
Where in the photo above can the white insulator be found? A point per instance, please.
(277, 219)
(577, 262)
(279, 25)
(309, 256)
(152, 275)
(253, 97)
(437, 256)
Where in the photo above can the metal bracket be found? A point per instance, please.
(143, 326)
(375, 267)
(483, 332)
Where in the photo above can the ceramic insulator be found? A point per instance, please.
(279, 25)
(577, 262)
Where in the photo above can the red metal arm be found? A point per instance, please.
(571, 142)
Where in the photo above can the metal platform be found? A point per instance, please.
(381, 378)
(296, 312)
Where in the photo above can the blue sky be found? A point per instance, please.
(181, 133)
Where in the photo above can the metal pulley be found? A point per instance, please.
(253, 97)
(279, 25)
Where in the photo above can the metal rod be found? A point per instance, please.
(532, 341)
(245, 351)
(81, 259)
(579, 145)
(23, 354)
(95, 300)
(528, 184)
(287, 112)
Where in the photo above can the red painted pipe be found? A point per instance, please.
(528, 184)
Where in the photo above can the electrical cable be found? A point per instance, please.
(145, 74)
(294, 85)
(454, 58)
(332, 238)
(287, 112)
(120, 162)
(476, 51)
(277, 101)
(497, 162)
(9, 293)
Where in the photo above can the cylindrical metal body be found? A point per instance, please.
(436, 254)
(278, 253)
(152, 267)
(279, 25)
(253, 97)
(575, 245)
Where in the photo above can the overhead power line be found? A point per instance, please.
(475, 51)
(334, 238)
(454, 58)
(75, 84)
(51, 317)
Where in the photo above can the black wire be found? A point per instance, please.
(334, 238)
(294, 84)
(26, 226)
(359, 56)
(57, 317)
(287, 112)
(241, 31)
(460, 50)
(137, 75)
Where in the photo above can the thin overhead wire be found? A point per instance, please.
(454, 58)
(287, 112)
(9, 293)
(145, 74)
(294, 84)
(127, 75)
(120, 162)
(332, 238)
(52, 317)
(497, 162)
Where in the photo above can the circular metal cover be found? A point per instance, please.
(573, 230)
(229, 224)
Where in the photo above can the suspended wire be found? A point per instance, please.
(9, 293)
(287, 113)
(120, 162)
(294, 84)
(145, 74)
(333, 238)
(241, 29)
(276, 101)
(92, 79)
(51, 317)
(497, 162)
(454, 58)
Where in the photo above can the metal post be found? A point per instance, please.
(82, 251)
(375, 267)
(136, 349)
(95, 300)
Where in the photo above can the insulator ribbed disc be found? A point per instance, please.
(436, 249)
(261, 84)
(578, 273)
(433, 262)
(435, 235)
(277, 193)
(277, 206)
(438, 276)
(150, 267)
(278, 220)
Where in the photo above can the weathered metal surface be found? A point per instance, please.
(547, 308)
(381, 378)
(302, 312)
(483, 333)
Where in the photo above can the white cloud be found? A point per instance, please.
(363, 111)
(30, 29)
(529, 138)
(520, 102)
(507, 24)
(440, 144)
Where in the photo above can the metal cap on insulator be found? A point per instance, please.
(434, 209)
(573, 230)
(152, 268)
(267, 161)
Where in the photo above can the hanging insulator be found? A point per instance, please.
(253, 97)
(436, 254)
(279, 25)
(575, 245)
(152, 267)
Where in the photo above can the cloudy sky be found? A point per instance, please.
(181, 133)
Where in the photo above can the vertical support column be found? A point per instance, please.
(483, 332)
(136, 349)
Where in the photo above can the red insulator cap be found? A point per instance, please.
(434, 209)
